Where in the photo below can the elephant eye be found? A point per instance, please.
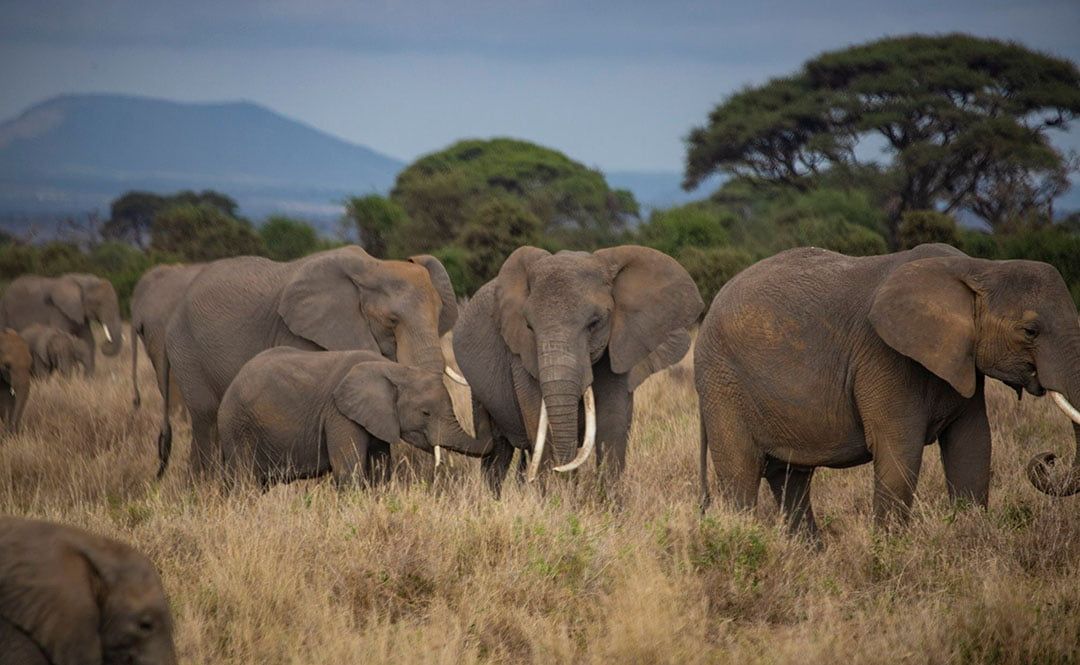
(146, 624)
(426, 412)
(1031, 331)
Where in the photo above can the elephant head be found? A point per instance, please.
(561, 313)
(345, 299)
(15, 366)
(393, 401)
(82, 598)
(1010, 320)
(84, 298)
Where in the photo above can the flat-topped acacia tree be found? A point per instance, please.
(957, 116)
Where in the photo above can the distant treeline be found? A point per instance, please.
(964, 122)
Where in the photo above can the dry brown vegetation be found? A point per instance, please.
(422, 572)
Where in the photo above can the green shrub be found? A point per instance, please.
(287, 239)
(924, 226)
(712, 267)
(693, 225)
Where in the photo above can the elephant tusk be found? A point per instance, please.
(538, 448)
(438, 456)
(590, 434)
(1063, 404)
(12, 389)
(457, 378)
(108, 335)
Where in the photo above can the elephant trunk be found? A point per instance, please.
(1038, 469)
(420, 352)
(450, 435)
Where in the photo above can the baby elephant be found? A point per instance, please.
(55, 350)
(292, 414)
(70, 597)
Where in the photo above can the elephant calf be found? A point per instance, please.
(55, 350)
(15, 363)
(293, 414)
(70, 597)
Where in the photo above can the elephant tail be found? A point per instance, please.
(136, 400)
(165, 435)
(704, 460)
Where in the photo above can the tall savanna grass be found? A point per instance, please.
(432, 569)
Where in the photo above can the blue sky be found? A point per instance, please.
(614, 84)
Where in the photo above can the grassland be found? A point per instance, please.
(435, 571)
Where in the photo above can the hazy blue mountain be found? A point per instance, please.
(659, 189)
(75, 153)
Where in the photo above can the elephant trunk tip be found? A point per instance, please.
(1041, 477)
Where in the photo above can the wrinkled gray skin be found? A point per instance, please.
(15, 367)
(156, 296)
(69, 302)
(75, 598)
(811, 358)
(553, 325)
(292, 414)
(341, 299)
(54, 350)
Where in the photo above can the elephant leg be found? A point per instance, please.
(791, 488)
(965, 453)
(520, 474)
(347, 446)
(496, 464)
(203, 428)
(87, 335)
(897, 449)
(737, 459)
(380, 466)
(614, 413)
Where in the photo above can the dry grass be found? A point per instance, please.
(422, 572)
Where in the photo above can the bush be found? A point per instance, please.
(203, 233)
(839, 236)
(287, 239)
(693, 225)
(925, 226)
(499, 227)
(375, 220)
(711, 268)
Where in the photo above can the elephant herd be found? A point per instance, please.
(298, 369)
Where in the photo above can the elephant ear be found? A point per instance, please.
(58, 604)
(368, 397)
(321, 300)
(66, 293)
(656, 301)
(511, 292)
(926, 311)
(441, 280)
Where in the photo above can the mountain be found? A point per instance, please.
(75, 153)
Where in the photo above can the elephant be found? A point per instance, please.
(69, 302)
(156, 295)
(15, 366)
(811, 358)
(335, 300)
(68, 596)
(554, 332)
(344, 410)
(54, 350)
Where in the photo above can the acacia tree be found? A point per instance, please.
(950, 111)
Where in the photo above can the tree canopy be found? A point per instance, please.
(959, 116)
(442, 191)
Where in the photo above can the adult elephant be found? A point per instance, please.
(69, 302)
(345, 409)
(553, 333)
(336, 300)
(69, 597)
(811, 358)
(15, 367)
(54, 350)
(156, 296)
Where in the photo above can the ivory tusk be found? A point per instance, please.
(590, 434)
(457, 378)
(438, 456)
(1065, 406)
(538, 448)
(12, 389)
(108, 335)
